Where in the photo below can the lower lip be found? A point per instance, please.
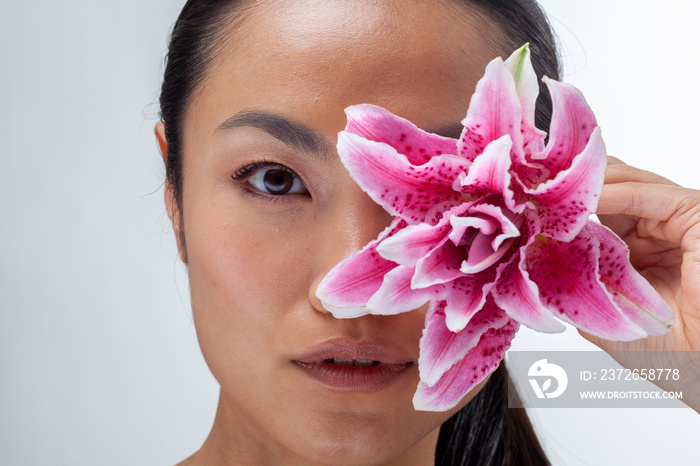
(354, 378)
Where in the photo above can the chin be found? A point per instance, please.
(358, 448)
(362, 438)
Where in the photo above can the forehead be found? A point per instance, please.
(309, 59)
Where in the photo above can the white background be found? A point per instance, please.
(99, 362)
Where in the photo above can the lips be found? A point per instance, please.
(349, 366)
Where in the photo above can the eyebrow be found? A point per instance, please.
(292, 134)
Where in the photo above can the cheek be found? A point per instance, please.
(237, 254)
(245, 277)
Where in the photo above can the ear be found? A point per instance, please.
(170, 199)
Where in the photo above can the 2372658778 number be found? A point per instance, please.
(639, 374)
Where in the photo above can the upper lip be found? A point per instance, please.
(347, 349)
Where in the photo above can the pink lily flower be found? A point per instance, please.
(492, 229)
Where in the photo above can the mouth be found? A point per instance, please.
(352, 362)
(347, 366)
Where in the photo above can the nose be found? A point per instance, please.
(354, 220)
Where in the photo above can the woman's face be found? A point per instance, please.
(268, 210)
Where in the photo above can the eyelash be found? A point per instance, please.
(246, 170)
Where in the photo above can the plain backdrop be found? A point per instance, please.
(99, 363)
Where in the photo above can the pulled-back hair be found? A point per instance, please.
(485, 432)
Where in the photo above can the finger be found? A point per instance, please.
(612, 160)
(646, 200)
(676, 209)
(619, 172)
(622, 225)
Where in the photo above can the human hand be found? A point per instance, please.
(660, 222)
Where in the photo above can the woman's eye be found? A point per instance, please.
(276, 181)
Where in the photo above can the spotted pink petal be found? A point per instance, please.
(379, 125)
(565, 203)
(482, 255)
(494, 111)
(566, 275)
(489, 247)
(345, 290)
(465, 297)
(440, 348)
(471, 370)
(401, 188)
(441, 265)
(509, 222)
(635, 297)
(414, 242)
(463, 227)
(518, 296)
(489, 173)
(449, 208)
(396, 295)
(572, 125)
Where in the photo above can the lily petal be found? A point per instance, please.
(491, 243)
(567, 277)
(565, 203)
(345, 290)
(396, 296)
(441, 348)
(465, 297)
(482, 255)
(490, 172)
(518, 296)
(572, 124)
(494, 111)
(637, 299)
(461, 225)
(438, 211)
(509, 222)
(401, 188)
(416, 241)
(379, 125)
(461, 378)
(440, 265)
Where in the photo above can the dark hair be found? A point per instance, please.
(193, 43)
(485, 432)
(524, 21)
